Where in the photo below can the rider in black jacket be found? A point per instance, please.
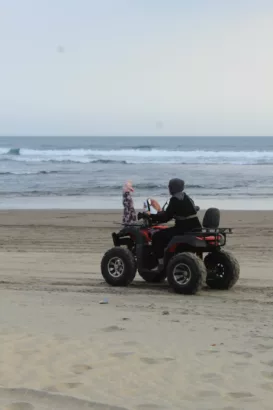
(181, 208)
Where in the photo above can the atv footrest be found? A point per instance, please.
(147, 271)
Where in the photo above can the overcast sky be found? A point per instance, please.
(136, 67)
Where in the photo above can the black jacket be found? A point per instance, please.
(180, 206)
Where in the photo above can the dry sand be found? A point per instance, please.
(148, 348)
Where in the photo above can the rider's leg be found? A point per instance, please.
(160, 241)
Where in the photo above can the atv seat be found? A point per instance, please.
(206, 238)
(211, 219)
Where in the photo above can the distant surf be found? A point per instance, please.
(23, 173)
(97, 168)
(140, 155)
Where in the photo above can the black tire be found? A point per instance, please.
(194, 268)
(152, 277)
(127, 266)
(223, 270)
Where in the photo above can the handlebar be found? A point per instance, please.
(143, 215)
(147, 220)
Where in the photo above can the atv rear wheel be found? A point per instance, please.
(223, 270)
(154, 277)
(118, 267)
(186, 273)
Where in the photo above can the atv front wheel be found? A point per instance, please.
(223, 270)
(118, 267)
(154, 277)
(186, 273)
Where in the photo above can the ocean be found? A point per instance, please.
(88, 173)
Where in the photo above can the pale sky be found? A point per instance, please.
(136, 67)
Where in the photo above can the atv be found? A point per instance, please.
(185, 267)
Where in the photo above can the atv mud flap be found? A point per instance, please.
(139, 257)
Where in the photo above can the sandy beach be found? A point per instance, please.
(147, 348)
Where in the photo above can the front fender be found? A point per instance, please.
(133, 232)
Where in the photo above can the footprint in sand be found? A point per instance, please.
(167, 359)
(247, 355)
(207, 352)
(267, 375)
(81, 368)
(208, 393)
(131, 343)
(112, 329)
(270, 363)
(212, 377)
(230, 408)
(267, 386)
(149, 407)
(51, 389)
(242, 364)
(61, 386)
(264, 348)
(151, 360)
(121, 355)
(241, 395)
(72, 385)
(19, 406)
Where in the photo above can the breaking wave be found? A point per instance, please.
(30, 173)
(139, 155)
(107, 161)
(14, 151)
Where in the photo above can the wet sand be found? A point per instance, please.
(147, 348)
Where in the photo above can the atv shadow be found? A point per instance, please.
(140, 284)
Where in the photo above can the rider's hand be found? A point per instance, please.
(155, 205)
(140, 216)
(143, 215)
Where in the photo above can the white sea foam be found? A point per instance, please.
(135, 156)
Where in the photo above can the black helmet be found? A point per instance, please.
(176, 185)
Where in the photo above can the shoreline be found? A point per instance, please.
(108, 204)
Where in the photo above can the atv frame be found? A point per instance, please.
(185, 250)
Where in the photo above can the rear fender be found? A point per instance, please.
(185, 242)
(192, 243)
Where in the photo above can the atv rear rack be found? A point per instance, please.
(212, 231)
